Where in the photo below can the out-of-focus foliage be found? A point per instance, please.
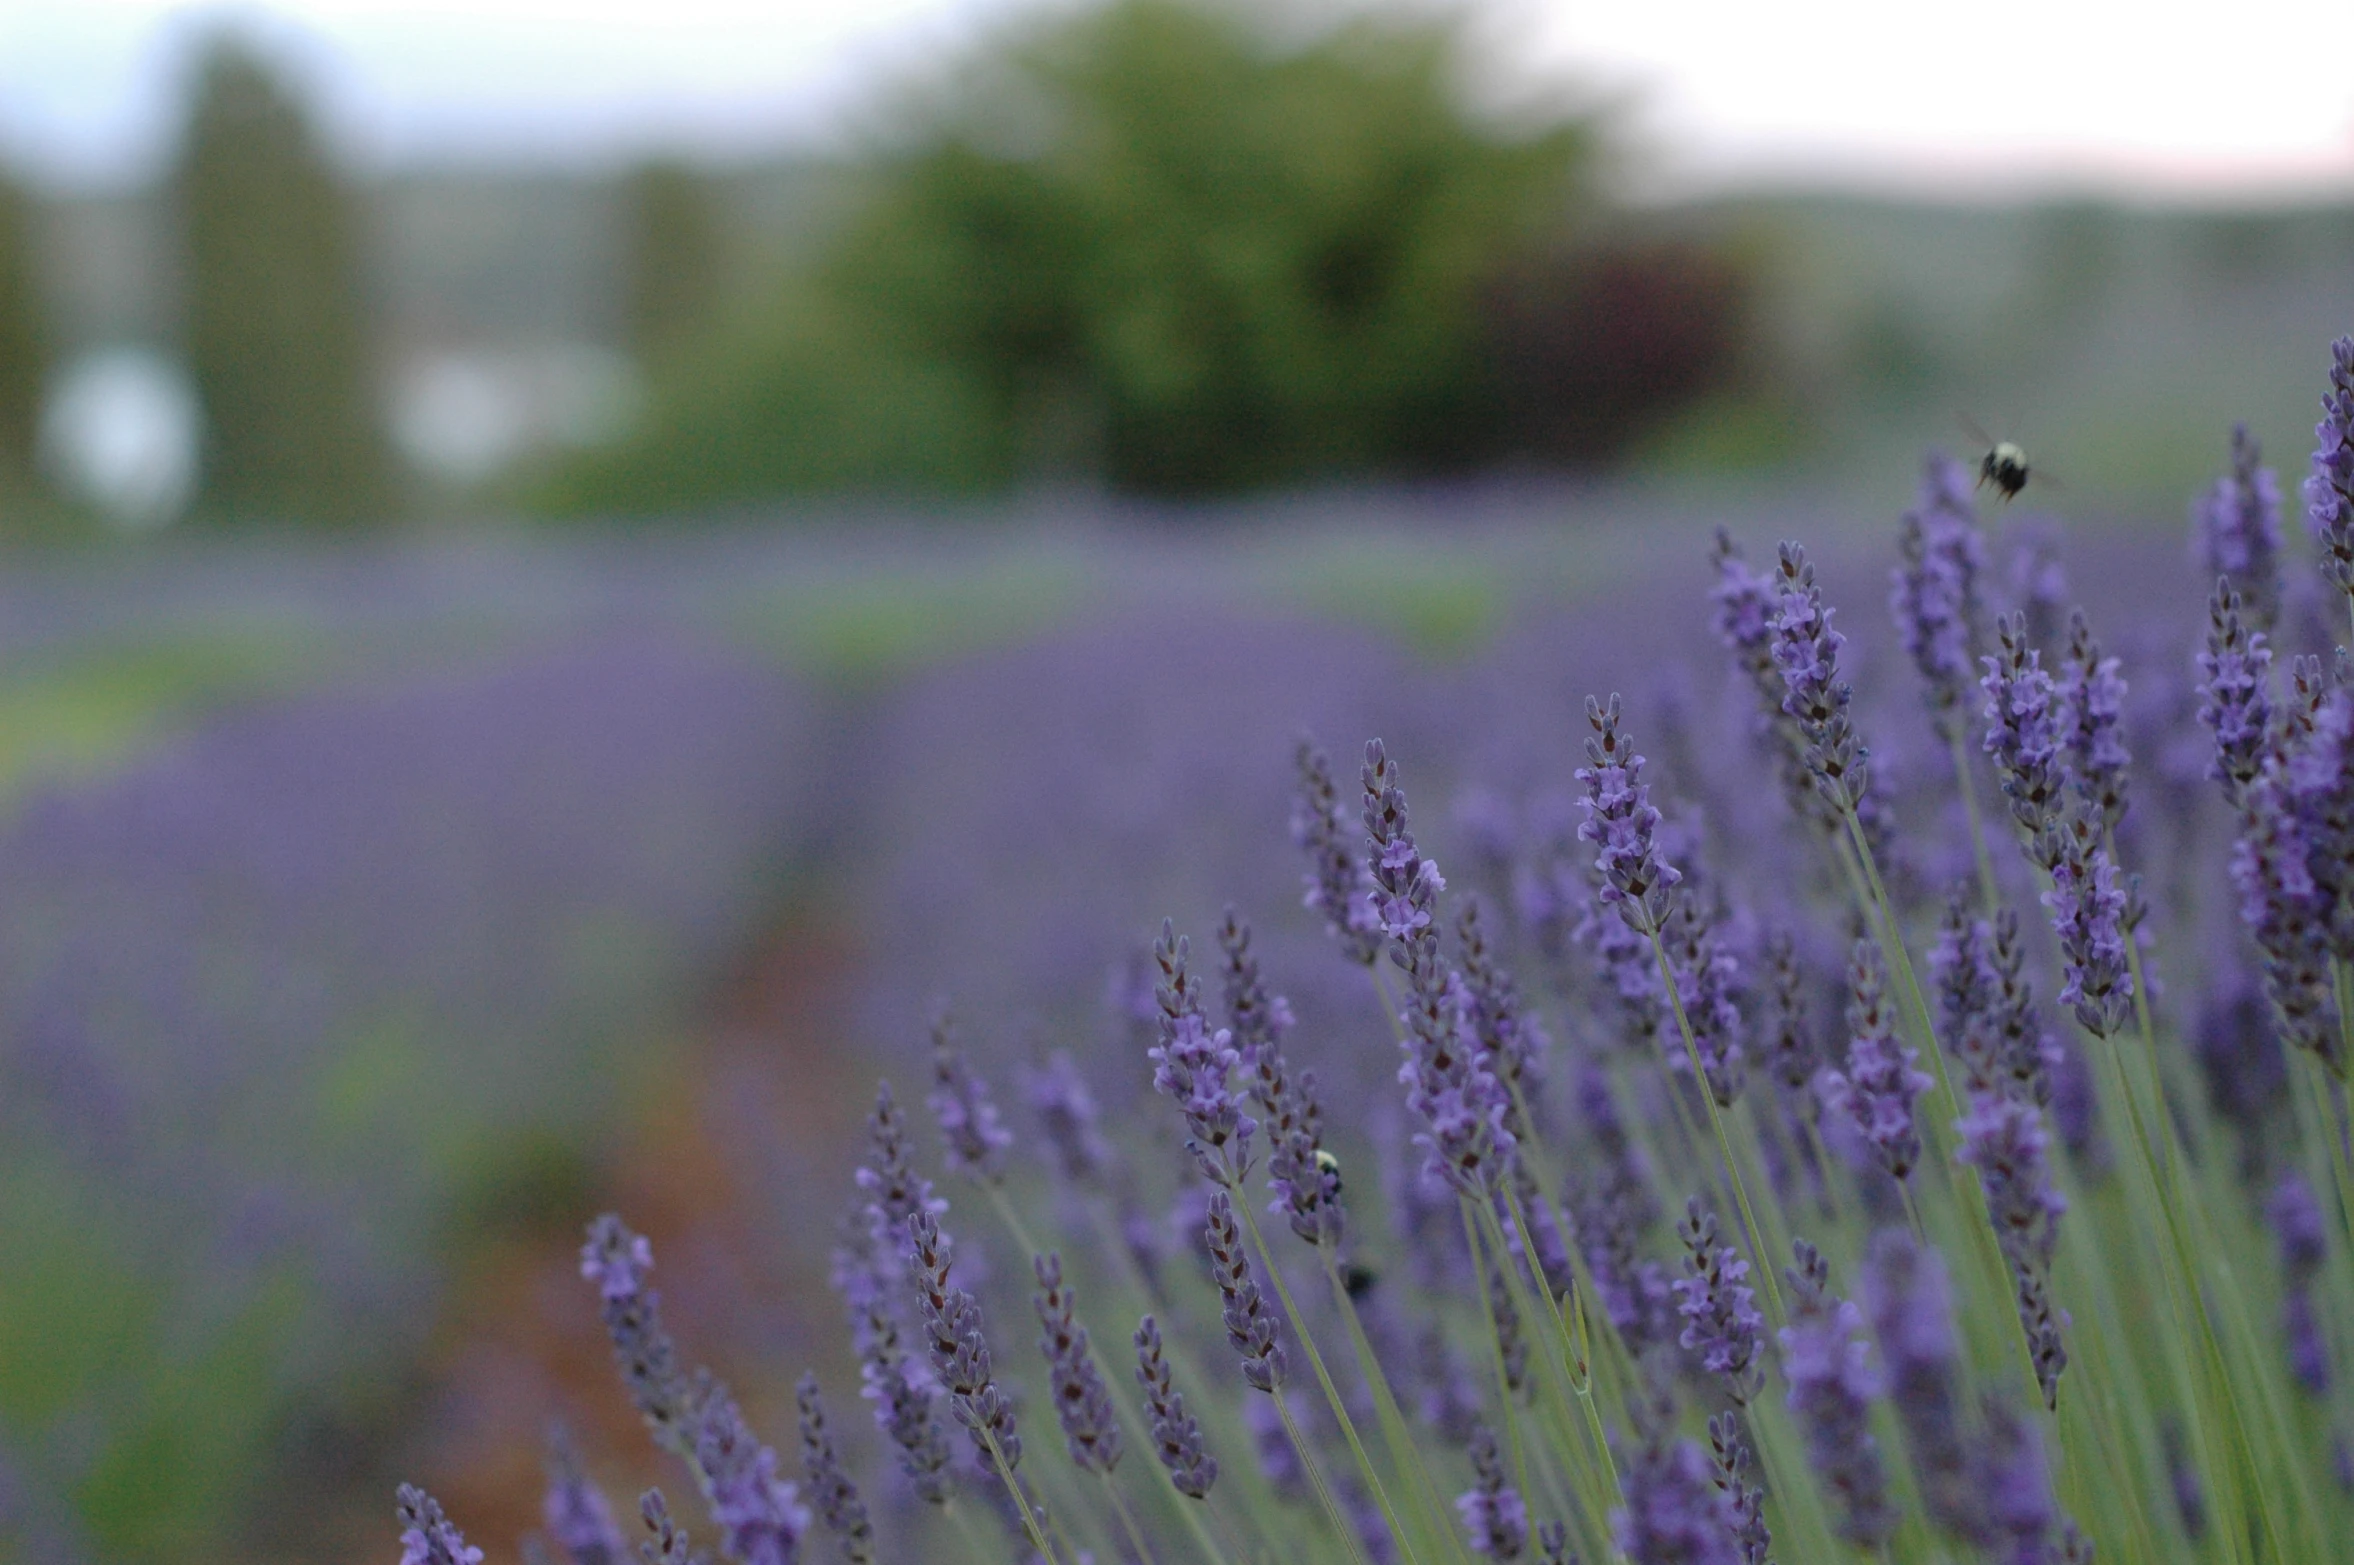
(1157, 244)
(275, 320)
(671, 239)
(24, 338)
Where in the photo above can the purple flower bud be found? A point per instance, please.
(1250, 1325)
(1493, 1513)
(2236, 703)
(669, 1545)
(2298, 1224)
(1177, 1437)
(972, 1139)
(959, 1351)
(1832, 1385)
(1553, 1544)
(1622, 824)
(2023, 728)
(1338, 886)
(1081, 1402)
(761, 1521)
(1911, 1311)
(1731, 1460)
(427, 1536)
(577, 1516)
(1707, 977)
(1193, 1066)
(1674, 1514)
(2285, 915)
(2236, 529)
(1879, 1086)
(1303, 1176)
(895, 1191)
(2329, 492)
(1934, 596)
(617, 1261)
(1722, 1326)
(2090, 713)
(830, 1484)
(1066, 1113)
(1787, 1042)
(1806, 649)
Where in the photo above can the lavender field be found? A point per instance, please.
(376, 911)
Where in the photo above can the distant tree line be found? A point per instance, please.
(1159, 246)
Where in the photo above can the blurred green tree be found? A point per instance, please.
(24, 336)
(673, 248)
(1164, 243)
(276, 323)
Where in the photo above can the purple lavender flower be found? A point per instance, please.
(1090, 1426)
(2298, 1225)
(902, 1400)
(1303, 1176)
(575, 1511)
(1934, 595)
(1553, 1544)
(1806, 649)
(973, 1141)
(1731, 1461)
(1880, 1085)
(1707, 977)
(2329, 492)
(617, 1261)
(1788, 1044)
(1911, 1310)
(1742, 612)
(1622, 824)
(1722, 1326)
(761, 1521)
(1493, 1513)
(894, 1189)
(1250, 1325)
(2004, 1139)
(2023, 728)
(669, 1545)
(427, 1536)
(1193, 1067)
(2283, 912)
(2237, 529)
(2088, 914)
(837, 1497)
(1512, 1039)
(959, 1351)
(1177, 1436)
(2235, 704)
(1066, 1112)
(1338, 886)
(1674, 1514)
(1447, 1079)
(1832, 1385)
(2015, 1493)
(2089, 712)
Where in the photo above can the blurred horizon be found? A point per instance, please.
(2011, 101)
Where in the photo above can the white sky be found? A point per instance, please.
(1949, 95)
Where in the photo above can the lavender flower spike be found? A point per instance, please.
(1193, 1065)
(830, 1484)
(2298, 1225)
(2088, 912)
(1177, 1436)
(1338, 886)
(1732, 1460)
(2238, 529)
(2329, 492)
(1911, 1310)
(1674, 1513)
(1806, 649)
(1090, 1426)
(1722, 1326)
(973, 1140)
(1831, 1389)
(2236, 701)
(427, 1536)
(1492, 1510)
(1250, 1325)
(1304, 1178)
(2022, 727)
(958, 1349)
(1622, 824)
(2285, 915)
(576, 1514)
(2091, 713)
(1880, 1085)
(1934, 594)
(669, 1545)
(895, 1190)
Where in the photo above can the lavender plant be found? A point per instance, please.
(2031, 1284)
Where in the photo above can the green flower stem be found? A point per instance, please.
(1397, 1435)
(1013, 1486)
(1332, 1396)
(1989, 893)
(1315, 1471)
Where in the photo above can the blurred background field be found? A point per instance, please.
(524, 675)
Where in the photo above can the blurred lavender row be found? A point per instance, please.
(285, 994)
